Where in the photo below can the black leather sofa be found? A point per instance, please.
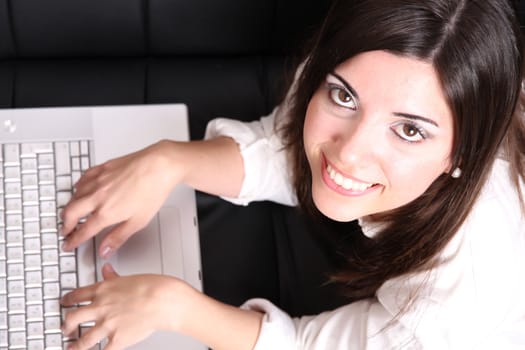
(220, 57)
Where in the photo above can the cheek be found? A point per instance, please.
(411, 178)
(316, 129)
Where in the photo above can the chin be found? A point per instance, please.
(335, 212)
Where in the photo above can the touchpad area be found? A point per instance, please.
(154, 249)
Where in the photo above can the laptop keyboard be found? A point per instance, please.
(36, 183)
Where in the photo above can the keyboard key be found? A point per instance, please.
(51, 290)
(33, 261)
(84, 163)
(30, 196)
(51, 307)
(31, 212)
(12, 189)
(75, 163)
(63, 198)
(68, 280)
(84, 148)
(3, 337)
(34, 278)
(64, 183)
(17, 339)
(16, 305)
(17, 322)
(54, 340)
(49, 240)
(46, 176)
(11, 154)
(35, 344)
(68, 264)
(50, 273)
(48, 222)
(31, 149)
(34, 295)
(50, 256)
(31, 228)
(46, 160)
(35, 313)
(3, 320)
(47, 192)
(74, 148)
(31, 245)
(14, 237)
(3, 302)
(48, 207)
(63, 166)
(29, 165)
(75, 176)
(15, 288)
(12, 173)
(52, 323)
(15, 254)
(15, 270)
(13, 221)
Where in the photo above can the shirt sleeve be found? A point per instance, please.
(266, 169)
(361, 325)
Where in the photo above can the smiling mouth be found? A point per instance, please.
(347, 183)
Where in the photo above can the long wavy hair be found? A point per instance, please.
(475, 47)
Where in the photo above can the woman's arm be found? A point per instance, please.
(126, 192)
(119, 306)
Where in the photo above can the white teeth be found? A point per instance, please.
(346, 183)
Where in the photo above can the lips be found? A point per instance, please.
(344, 184)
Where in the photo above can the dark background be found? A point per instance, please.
(223, 58)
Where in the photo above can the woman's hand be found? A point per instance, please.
(125, 309)
(125, 192)
(128, 309)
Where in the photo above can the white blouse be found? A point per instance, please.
(475, 299)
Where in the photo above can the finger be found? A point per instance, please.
(116, 237)
(78, 295)
(75, 316)
(88, 175)
(108, 272)
(74, 211)
(89, 338)
(93, 224)
(86, 189)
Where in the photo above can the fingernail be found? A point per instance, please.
(66, 246)
(106, 252)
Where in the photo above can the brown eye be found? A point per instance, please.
(409, 132)
(342, 97)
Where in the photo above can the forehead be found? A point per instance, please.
(398, 83)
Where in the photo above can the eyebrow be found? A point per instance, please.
(346, 85)
(399, 114)
(416, 117)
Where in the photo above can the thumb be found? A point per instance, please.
(108, 272)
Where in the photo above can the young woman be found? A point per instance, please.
(404, 116)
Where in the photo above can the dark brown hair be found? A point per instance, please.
(475, 47)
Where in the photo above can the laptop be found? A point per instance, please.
(43, 139)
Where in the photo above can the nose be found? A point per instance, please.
(359, 144)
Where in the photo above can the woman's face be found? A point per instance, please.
(377, 133)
